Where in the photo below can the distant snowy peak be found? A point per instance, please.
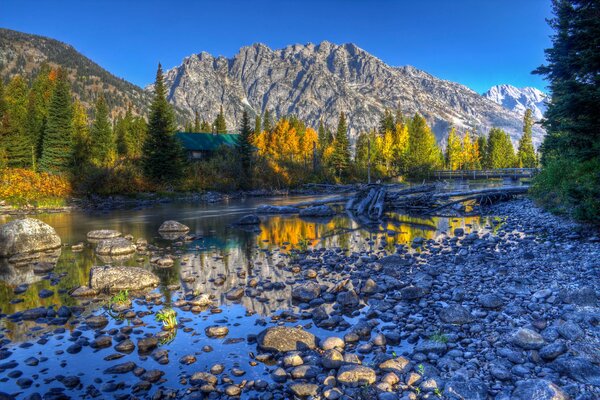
(519, 99)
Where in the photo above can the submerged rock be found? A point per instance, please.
(317, 211)
(250, 219)
(173, 226)
(270, 209)
(116, 278)
(27, 235)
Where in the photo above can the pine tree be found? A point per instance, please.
(526, 153)
(386, 123)
(245, 151)
(162, 157)
(81, 136)
(197, 127)
(340, 158)
(500, 151)
(102, 140)
(267, 121)
(37, 107)
(205, 126)
(484, 159)
(423, 152)
(322, 135)
(220, 125)
(20, 147)
(257, 124)
(57, 146)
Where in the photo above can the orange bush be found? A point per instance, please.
(23, 186)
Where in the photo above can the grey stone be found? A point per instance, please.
(27, 235)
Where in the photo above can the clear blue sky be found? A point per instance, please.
(478, 43)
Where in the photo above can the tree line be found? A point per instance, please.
(45, 128)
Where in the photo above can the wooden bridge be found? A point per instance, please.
(513, 173)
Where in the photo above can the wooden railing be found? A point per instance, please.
(515, 173)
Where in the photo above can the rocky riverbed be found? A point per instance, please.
(507, 311)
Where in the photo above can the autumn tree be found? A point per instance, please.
(81, 136)
(454, 151)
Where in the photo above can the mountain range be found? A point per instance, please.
(311, 81)
(318, 81)
(519, 99)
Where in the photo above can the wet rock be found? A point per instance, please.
(163, 262)
(317, 211)
(356, 375)
(284, 338)
(306, 292)
(84, 291)
(116, 278)
(173, 226)
(103, 234)
(121, 368)
(551, 351)
(538, 389)
(101, 342)
(96, 321)
(347, 299)
(27, 235)
(333, 342)
(232, 390)
(304, 372)
(527, 339)
(152, 375)
(126, 346)
(216, 331)
(332, 359)
(41, 268)
(250, 219)
(45, 293)
(147, 344)
(456, 315)
(35, 313)
(115, 247)
(431, 346)
(412, 293)
(235, 294)
(270, 209)
(203, 378)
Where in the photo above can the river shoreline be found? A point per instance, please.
(508, 312)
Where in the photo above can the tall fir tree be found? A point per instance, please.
(205, 126)
(81, 136)
(340, 158)
(386, 123)
(245, 150)
(102, 139)
(37, 107)
(20, 147)
(484, 159)
(220, 124)
(197, 127)
(57, 146)
(257, 124)
(162, 156)
(526, 153)
(267, 121)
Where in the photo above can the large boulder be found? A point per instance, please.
(27, 235)
(285, 338)
(114, 278)
(538, 389)
(269, 209)
(355, 375)
(317, 212)
(173, 226)
(115, 247)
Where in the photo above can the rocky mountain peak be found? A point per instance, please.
(314, 81)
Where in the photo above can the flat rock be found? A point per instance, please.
(102, 234)
(250, 219)
(117, 278)
(115, 247)
(354, 375)
(306, 292)
(456, 315)
(27, 235)
(285, 338)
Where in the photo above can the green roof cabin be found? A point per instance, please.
(202, 145)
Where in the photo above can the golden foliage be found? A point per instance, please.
(19, 185)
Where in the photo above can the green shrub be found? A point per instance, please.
(569, 186)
